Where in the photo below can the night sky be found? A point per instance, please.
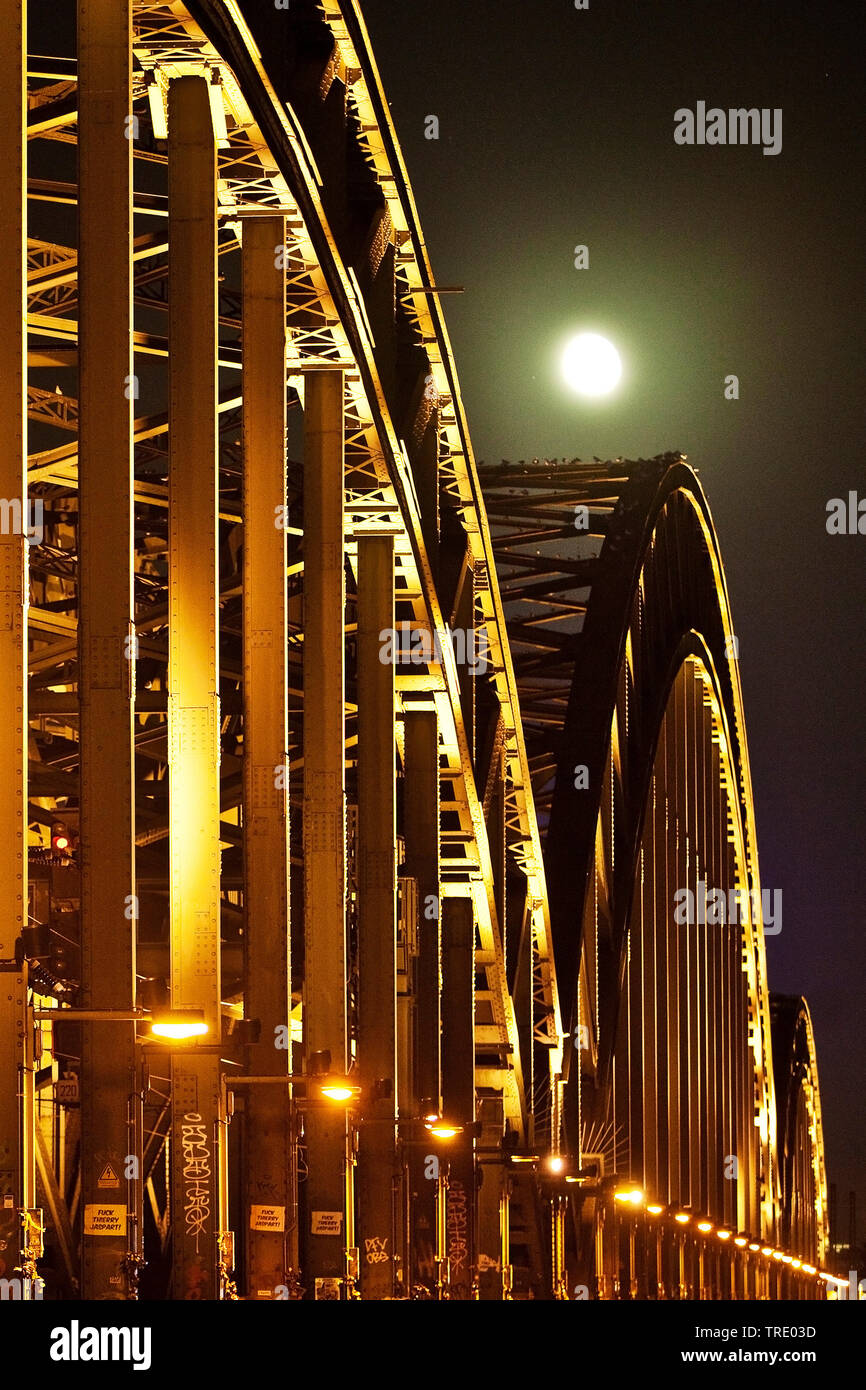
(557, 129)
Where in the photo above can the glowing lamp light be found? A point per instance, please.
(629, 1196)
(442, 1129)
(591, 365)
(741, 1241)
(777, 1255)
(786, 1259)
(767, 1250)
(723, 1233)
(654, 1209)
(178, 1024)
(682, 1217)
(754, 1245)
(809, 1269)
(339, 1090)
(705, 1226)
(796, 1264)
(555, 1163)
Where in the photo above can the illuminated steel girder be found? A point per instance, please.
(270, 1215)
(379, 1208)
(197, 1137)
(423, 1019)
(111, 1182)
(17, 1140)
(458, 1092)
(328, 1217)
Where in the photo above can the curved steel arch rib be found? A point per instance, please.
(800, 1133)
(626, 661)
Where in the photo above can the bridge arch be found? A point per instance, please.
(671, 744)
(802, 1170)
(627, 666)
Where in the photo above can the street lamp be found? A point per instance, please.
(443, 1129)
(629, 1196)
(337, 1089)
(174, 1024)
(178, 1024)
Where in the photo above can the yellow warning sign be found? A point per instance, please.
(108, 1177)
(267, 1218)
(104, 1221)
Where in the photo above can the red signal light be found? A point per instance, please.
(60, 839)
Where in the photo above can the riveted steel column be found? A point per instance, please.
(269, 1205)
(377, 920)
(458, 1088)
(193, 703)
(493, 1214)
(111, 1187)
(325, 1028)
(421, 831)
(17, 1151)
(421, 826)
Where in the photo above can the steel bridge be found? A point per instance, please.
(350, 794)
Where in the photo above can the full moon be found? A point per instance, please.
(591, 365)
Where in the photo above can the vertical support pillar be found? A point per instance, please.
(493, 1257)
(197, 1197)
(421, 831)
(458, 1087)
(106, 650)
(377, 920)
(421, 826)
(17, 1152)
(269, 1173)
(328, 1223)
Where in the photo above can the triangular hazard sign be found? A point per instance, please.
(108, 1174)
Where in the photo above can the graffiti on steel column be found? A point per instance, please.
(376, 1249)
(195, 1152)
(457, 1224)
